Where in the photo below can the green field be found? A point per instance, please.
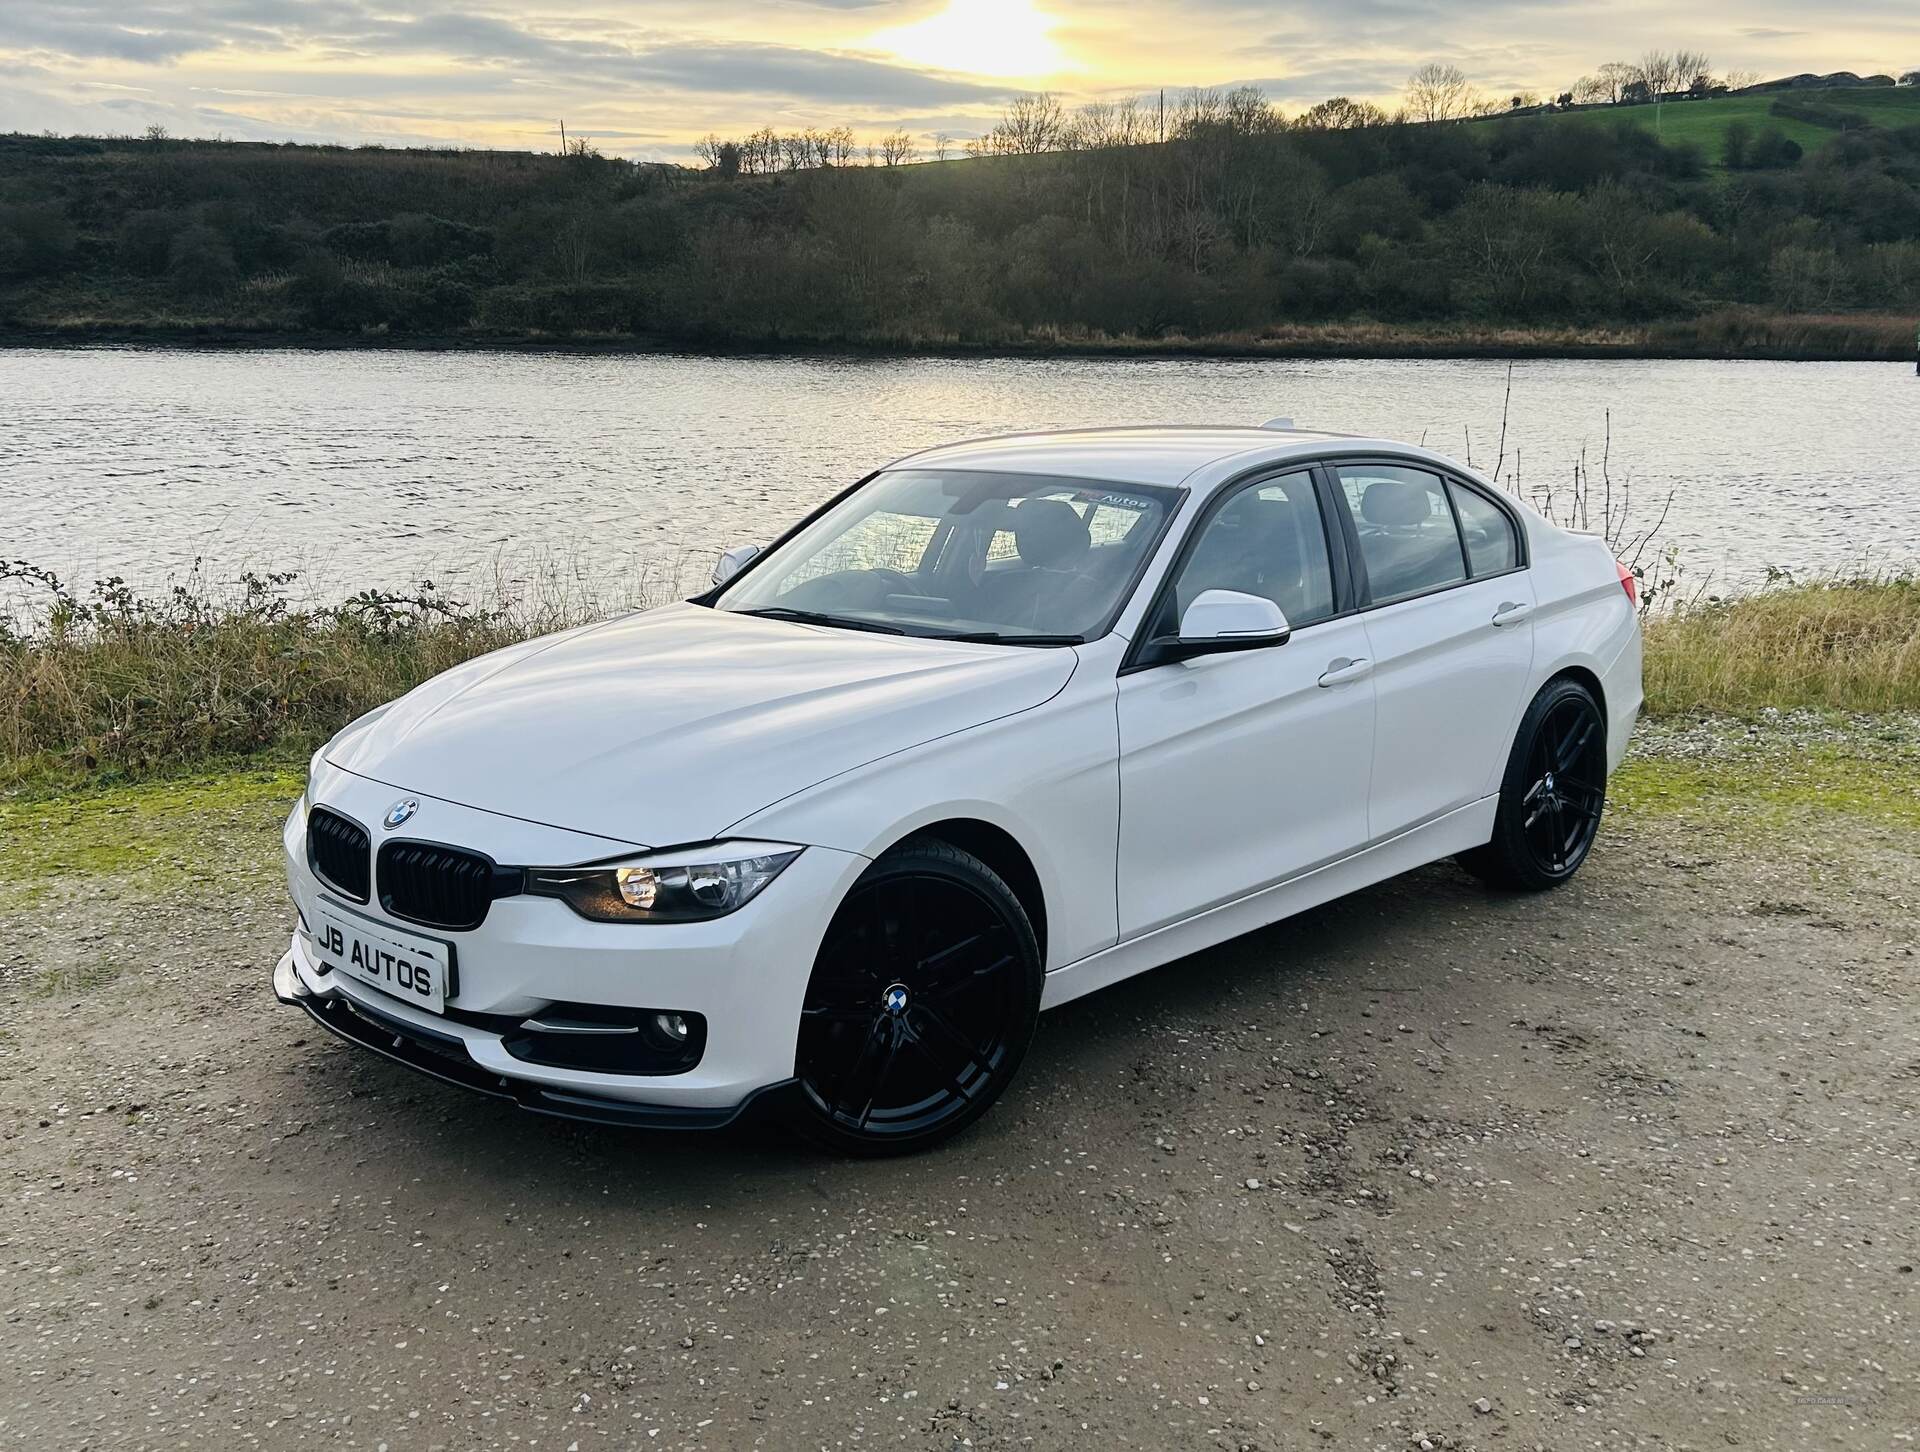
(1705, 122)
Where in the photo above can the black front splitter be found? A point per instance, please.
(444, 1057)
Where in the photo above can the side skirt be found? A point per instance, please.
(1464, 827)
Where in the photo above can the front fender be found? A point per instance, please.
(1047, 777)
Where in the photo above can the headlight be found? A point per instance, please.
(686, 886)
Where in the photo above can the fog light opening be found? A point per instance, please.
(673, 1026)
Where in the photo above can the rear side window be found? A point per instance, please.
(1408, 540)
(1491, 545)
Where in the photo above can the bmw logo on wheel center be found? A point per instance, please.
(400, 812)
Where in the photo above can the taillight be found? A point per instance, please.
(1629, 584)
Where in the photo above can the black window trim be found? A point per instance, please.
(1346, 601)
(1450, 479)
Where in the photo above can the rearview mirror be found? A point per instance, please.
(1231, 620)
(733, 562)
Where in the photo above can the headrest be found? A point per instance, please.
(1050, 533)
(1391, 502)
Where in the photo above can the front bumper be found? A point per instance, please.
(445, 1057)
(745, 974)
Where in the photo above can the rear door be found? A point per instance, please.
(1442, 573)
(1243, 769)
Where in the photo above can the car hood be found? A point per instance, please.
(670, 726)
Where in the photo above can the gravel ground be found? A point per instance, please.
(1634, 1163)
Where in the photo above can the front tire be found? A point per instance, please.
(1552, 796)
(922, 1002)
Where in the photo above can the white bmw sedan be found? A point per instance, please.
(1004, 723)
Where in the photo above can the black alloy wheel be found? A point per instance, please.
(1553, 794)
(921, 1005)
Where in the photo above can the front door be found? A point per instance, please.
(1241, 770)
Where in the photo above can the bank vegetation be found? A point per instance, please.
(1224, 225)
(113, 684)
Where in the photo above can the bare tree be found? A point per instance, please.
(1592, 91)
(1693, 71)
(1034, 124)
(760, 152)
(1439, 92)
(1657, 68)
(898, 149)
(1250, 113)
(1198, 109)
(707, 148)
(1102, 125)
(573, 247)
(1612, 80)
(1341, 113)
(942, 146)
(1739, 78)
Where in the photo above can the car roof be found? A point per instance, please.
(1165, 454)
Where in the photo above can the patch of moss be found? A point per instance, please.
(154, 837)
(1767, 788)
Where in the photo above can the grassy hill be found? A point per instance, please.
(1704, 123)
(1582, 232)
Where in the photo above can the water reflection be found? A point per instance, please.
(379, 469)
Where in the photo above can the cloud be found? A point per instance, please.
(802, 74)
(348, 31)
(650, 74)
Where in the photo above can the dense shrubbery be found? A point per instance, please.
(1239, 225)
(115, 683)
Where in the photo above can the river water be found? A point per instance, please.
(627, 473)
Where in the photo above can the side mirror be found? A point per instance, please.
(733, 562)
(1226, 619)
(1223, 620)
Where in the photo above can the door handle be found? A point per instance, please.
(1339, 672)
(1512, 612)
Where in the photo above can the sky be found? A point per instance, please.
(647, 78)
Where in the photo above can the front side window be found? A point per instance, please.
(1491, 544)
(1408, 540)
(1267, 540)
(1007, 557)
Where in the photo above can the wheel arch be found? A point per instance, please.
(1582, 676)
(1001, 851)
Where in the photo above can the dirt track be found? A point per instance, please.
(1631, 1164)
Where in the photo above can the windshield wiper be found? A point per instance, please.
(994, 637)
(815, 617)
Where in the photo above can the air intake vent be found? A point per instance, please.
(337, 851)
(441, 887)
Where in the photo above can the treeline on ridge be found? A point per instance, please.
(1239, 222)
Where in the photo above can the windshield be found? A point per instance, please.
(1006, 557)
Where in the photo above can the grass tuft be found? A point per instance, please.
(117, 686)
(1842, 645)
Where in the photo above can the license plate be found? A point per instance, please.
(413, 970)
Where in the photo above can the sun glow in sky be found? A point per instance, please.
(648, 78)
(1005, 38)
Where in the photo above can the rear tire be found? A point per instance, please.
(921, 1006)
(1552, 795)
